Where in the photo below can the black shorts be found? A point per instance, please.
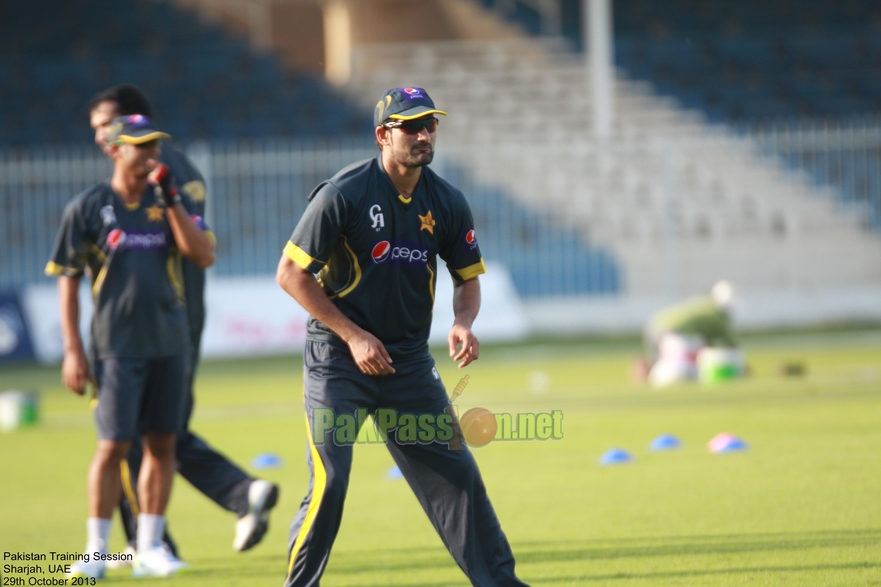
(137, 396)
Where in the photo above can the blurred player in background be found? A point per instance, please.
(206, 469)
(131, 237)
(372, 233)
(674, 336)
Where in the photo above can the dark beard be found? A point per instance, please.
(418, 159)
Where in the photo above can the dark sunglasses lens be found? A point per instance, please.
(412, 127)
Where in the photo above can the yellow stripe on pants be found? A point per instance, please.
(318, 485)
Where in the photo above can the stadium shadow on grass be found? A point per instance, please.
(660, 546)
(691, 545)
(371, 560)
(710, 572)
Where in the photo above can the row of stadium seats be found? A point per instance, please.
(722, 17)
(203, 82)
(772, 83)
(757, 62)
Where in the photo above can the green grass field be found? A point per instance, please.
(801, 507)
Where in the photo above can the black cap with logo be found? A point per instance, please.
(133, 129)
(403, 104)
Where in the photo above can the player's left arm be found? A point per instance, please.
(459, 249)
(466, 305)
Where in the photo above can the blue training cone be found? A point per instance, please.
(665, 442)
(266, 460)
(394, 473)
(616, 456)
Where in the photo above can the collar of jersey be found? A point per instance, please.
(399, 197)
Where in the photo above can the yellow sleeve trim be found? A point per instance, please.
(472, 271)
(299, 256)
(53, 268)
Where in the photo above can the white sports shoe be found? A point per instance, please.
(157, 562)
(123, 562)
(250, 528)
(94, 569)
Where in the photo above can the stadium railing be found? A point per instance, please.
(258, 190)
(843, 154)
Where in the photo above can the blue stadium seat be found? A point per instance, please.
(201, 79)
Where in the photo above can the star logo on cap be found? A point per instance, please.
(428, 222)
(155, 213)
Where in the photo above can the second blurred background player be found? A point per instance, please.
(207, 470)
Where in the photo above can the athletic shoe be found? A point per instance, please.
(94, 569)
(157, 562)
(250, 528)
(123, 562)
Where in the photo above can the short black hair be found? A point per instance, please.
(129, 99)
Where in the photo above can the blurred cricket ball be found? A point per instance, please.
(478, 426)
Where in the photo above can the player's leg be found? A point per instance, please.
(333, 386)
(159, 420)
(157, 472)
(120, 384)
(128, 505)
(220, 479)
(447, 481)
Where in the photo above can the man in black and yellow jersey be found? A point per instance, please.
(131, 236)
(372, 234)
(208, 470)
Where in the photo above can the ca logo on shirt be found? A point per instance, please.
(108, 216)
(377, 217)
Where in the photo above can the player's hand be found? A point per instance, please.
(370, 354)
(163, 185)
(470, 349)
(75, 371)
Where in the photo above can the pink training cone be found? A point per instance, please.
(724, 442)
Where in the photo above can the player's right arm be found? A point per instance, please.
(305, 254)
(367, 351)
(68, 261)
(75, 368)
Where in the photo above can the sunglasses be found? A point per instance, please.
(412, 127)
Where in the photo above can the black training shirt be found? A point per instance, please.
(136, 272)
(375, 252)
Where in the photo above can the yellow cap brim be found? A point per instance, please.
(143, 139)
(420, 115)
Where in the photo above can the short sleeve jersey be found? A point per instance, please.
(135, 266)
(375, 252)
(191, 184)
